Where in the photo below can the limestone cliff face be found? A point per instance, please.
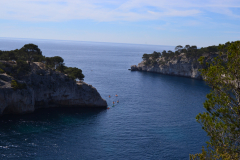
(179, 66)
(46, 88)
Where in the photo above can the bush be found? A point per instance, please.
(31, 53)
(22, 67)
(147, 62)
(17, 85)
(61, 67)
(161, 63)
(51, 62)
(1, 70)
(74, 73)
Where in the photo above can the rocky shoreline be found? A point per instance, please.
(46, 88)
(178, 66)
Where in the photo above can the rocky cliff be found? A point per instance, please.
(179, 65)
(45, 88)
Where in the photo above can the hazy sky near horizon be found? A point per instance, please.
(159, 22)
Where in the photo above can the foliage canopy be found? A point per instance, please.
(190, 52)
(31, 53)
(17, 85)
(221, 120)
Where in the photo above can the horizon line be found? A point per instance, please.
(86, 41)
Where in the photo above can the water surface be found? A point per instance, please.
(155, 118)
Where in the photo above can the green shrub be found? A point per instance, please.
(2, 66)
(31, 53)
(74, 73)
(154, 62)
(161, 63)
(17, 85)
(1, 70)
(62, 68)
(22, 66)
(147, 62)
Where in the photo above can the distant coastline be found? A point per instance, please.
(182, 62)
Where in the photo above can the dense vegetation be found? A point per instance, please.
(190, 51)
(17, 85)
(20, 60)
(221, 120)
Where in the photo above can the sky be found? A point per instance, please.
(158, 22)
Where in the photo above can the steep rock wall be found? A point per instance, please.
(179, 66)
(46, 88)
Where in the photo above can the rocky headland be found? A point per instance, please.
(43, 87)
(178, 63)
(46, 88)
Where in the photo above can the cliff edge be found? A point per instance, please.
(179, 65)
(43, 88)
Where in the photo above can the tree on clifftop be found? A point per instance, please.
(187, 47)
(145, 56)
(178, 48)
(221, 120)
(30, 51)
(74, 73)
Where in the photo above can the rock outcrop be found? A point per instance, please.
(46, 88)
(179, 66)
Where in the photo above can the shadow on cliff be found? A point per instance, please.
(149, 73)
(1, 83)
(172, 80)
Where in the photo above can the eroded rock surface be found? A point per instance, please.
(179, 66)
(46, 88)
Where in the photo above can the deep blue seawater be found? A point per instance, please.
(155, 118)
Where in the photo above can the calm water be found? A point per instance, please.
(155, 118)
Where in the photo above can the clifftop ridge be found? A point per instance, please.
(25, 87)
(182, 62)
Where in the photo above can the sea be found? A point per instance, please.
(155, 118)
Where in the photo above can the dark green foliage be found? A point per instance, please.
(74, 73)
(155, 55)
(178, 48)
(22, 67)
(150, 59)
(31, 53)
(148, 62)
(145, 56)
(51, 62)
(162, 62)
(38, 58)
(57, 59)
(192, 52)
(193, 47)
(176, 53)
(31, 48)
(17, 85)
(164, 53)
(168, 55)
(61, 67)
(187, 47)
(221, 120)
(1, 70)
(19, 69)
